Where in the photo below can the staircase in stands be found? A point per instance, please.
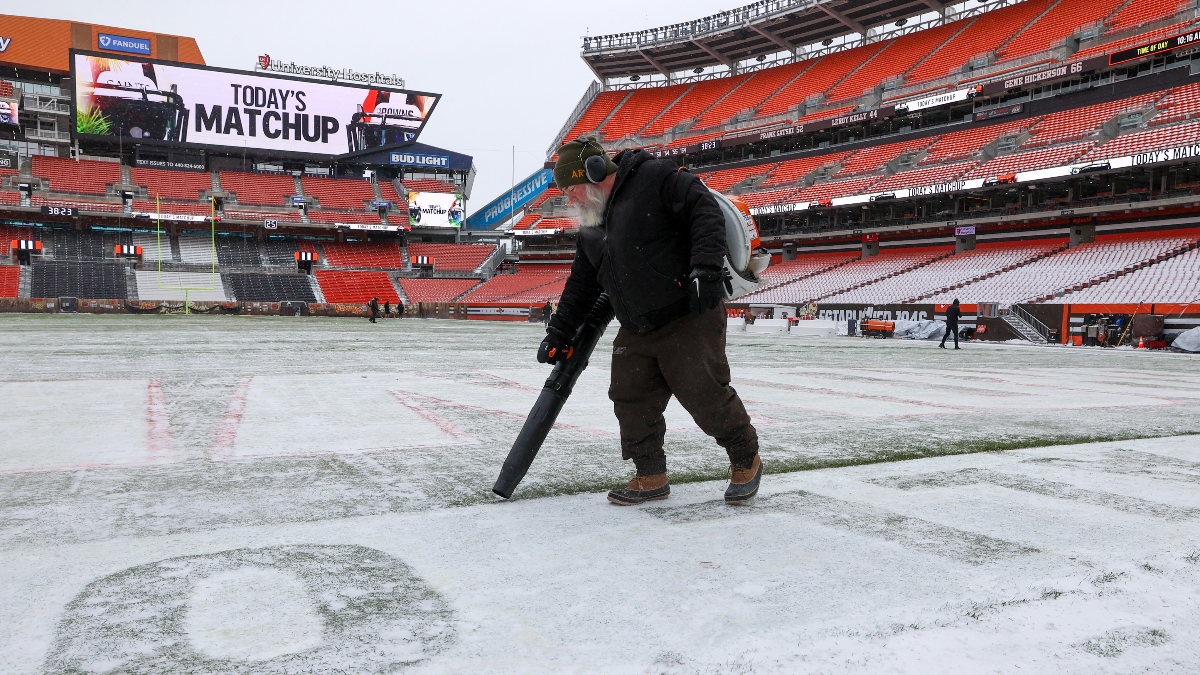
(1023, 327)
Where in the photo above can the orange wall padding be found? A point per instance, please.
(43, 44)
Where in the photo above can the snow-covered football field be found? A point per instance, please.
(271, 495)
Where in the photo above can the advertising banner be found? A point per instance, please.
(435, 209)
(938, 100)
(9, 105)
(172, 103)
(509, 202)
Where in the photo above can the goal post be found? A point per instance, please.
(212, 222)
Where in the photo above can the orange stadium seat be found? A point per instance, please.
(10, 279)
(355, 287)
(727, 178)
(934, 175)
(453, 257)
(364, 254)
(751, 93)
(428, 185)
(698, 99)
(322, 216)
(985, 34)
(870, 160)
(897, 58)
(966, 144)
(1071, 125)
(793, 170)
(836, 188)
(1155, 138)
(828, 71)
(179, 185)
(1056, 24)
(436, 290)
(1031, 160)
(264, 189)
(83, 177)
(1131, 41)
(339, 193)
(502, 286)
(1141, 12)
(600, 108)
(637, 111)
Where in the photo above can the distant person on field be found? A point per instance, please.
(952, 314)
(373, 308)
(399, 309)
(387, 308)
(547, 312)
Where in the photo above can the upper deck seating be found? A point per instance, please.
(698, 99)
(265, 189)
(436, 290)
(383, 254)
(829, 70)
(339, 193)
(1059, 22)
(751, 93)
(900, 55)
(453, 257)
(637, 111)
(83, 176)
(1031, 160)
(985, 34)
(177, 185)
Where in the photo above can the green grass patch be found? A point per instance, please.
(560, 488)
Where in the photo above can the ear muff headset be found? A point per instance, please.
(595, 168)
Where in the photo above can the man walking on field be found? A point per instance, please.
(953, 312)
(652, 237)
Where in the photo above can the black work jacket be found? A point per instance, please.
(661, 222)
(952, 314)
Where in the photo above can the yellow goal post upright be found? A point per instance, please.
(212, 221)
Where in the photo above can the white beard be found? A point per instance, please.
(589, 211)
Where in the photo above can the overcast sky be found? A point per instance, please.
(509, 72)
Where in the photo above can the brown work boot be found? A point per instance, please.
(642, 489)
(743, 483)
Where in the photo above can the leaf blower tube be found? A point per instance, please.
(554, 394)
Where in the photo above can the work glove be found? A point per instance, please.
(708, 287)
(556, 347)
